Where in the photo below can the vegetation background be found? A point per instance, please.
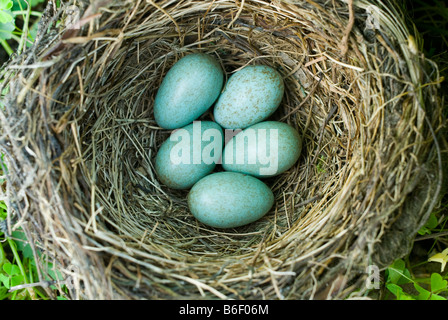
(410, 278)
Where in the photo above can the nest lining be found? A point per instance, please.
(81, 127)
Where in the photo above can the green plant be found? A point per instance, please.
(430, 225)
(16, 24)
(400, 278)
(405, 287)
(17, 267)
(17, 263)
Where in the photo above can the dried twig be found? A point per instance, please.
(308, 96)
(44, 284)
(432, 236)
(327, 119)
(351, 20)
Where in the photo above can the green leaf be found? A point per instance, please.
(3, 214)
(5, 280)
(437, 297)
(17, 280)
(3, 258)
(5, 17)
(398, 292)
(54, 273)
(5, 13)
(6, 30)
(22, 243)
(423, 293)
(430, 225)
(437, 283)
(427, 295)
(11, 269)
(3, 210)
(21, 4)
(3, 293)
(5, 4)
(397, 273)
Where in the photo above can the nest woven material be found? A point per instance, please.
(79, 136)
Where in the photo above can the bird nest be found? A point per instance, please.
(79, 138)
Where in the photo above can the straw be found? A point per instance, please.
(79, 135)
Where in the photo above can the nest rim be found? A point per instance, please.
(93, 101)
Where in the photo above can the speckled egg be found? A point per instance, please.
(188, 90)
(263, 150)
(189, 154)
(229, 199)
(250, 96)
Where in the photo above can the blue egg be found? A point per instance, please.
(229, 199)
(263, 150)
(189, 154)
(188, 90)
(250, 96)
